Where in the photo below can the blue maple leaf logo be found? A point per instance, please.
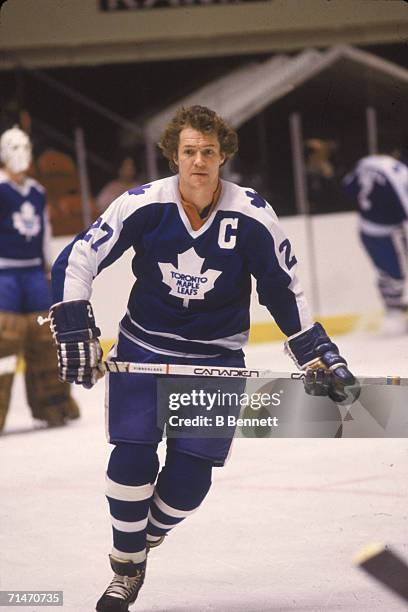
(140, 190)
(256, 199)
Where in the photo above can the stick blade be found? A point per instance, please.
(383, 564)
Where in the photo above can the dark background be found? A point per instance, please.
(137, 91)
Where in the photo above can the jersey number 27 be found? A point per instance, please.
(105, 227)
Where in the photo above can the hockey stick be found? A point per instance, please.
(221, 371)
(386, 566)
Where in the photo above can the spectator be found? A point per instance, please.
(322, 186)
(127, 178)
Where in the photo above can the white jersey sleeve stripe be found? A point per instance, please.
(104, 240)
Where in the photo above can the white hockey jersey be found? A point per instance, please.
(379, 187)
(192, 289)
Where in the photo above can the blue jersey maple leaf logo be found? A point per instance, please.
(256, 199)
(140, 190)
(186, 281)
(26, 221)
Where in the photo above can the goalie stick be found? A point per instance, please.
(221, 371)
(383, 564)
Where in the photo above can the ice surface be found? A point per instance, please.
(277, 531)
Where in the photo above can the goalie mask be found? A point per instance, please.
(15, 150)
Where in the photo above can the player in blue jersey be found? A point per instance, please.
(197, 240)
(378, 185)
(24, 288)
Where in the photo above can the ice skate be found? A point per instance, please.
(124, 588)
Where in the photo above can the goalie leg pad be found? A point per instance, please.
(6, 382)
(12, 330)
(49, 398)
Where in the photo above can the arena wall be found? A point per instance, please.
(77, 32)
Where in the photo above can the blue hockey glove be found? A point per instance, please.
(326, 371)
(76, 336)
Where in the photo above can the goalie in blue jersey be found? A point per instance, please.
(24, 288)
(197, 240)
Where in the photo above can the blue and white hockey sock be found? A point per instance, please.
(392, 291)
(181, 487)
(131, 473)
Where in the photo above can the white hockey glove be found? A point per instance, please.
(76, 336)
(326, 371)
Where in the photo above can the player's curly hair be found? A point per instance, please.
(204, 120)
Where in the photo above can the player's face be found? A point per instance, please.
(15, 150)
(198, 158)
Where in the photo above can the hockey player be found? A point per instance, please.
(378, 185)
(197, 240)
(24, 288)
